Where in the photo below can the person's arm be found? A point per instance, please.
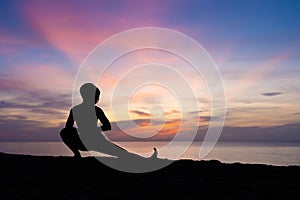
(70, 120)
(103, 119)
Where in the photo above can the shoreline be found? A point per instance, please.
(182, 159)
(283, 154)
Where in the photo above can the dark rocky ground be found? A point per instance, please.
(45, 177)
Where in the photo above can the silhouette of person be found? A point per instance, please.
(88, 133)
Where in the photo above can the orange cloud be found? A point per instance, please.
(170, 128)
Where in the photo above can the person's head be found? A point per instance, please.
(89, 93)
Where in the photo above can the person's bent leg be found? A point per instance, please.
(71, 138)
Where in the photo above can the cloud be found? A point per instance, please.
(280, 133)
(36, 78)
(32, 92)
(140, 113)
(21, 129)
(172, 112)
(163, 130)
(33, 102)
(9, 83)
(204, 118)
(39, 99)
(82, 26)
(252, 108)
(271, 94)
(287, 132)
(44, 76)
(43, 108)
(142, 122)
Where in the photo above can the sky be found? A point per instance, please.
(254, 44)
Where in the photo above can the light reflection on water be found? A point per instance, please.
(227, 152)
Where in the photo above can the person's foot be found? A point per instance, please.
(77, 155)
(154, 155)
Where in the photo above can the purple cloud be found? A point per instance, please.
(271, 94)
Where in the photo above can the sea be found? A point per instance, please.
(278, 153)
